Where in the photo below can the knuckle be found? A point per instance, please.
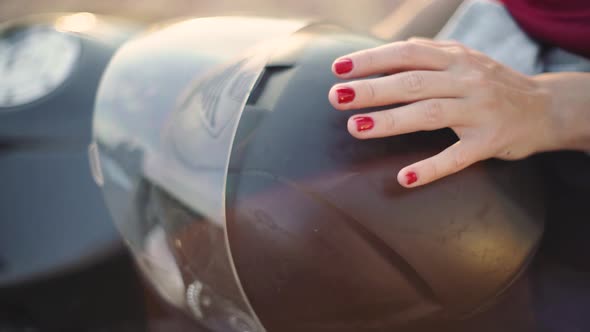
(433, 110)
(390, 121)
(455, 43)
(462, 55)
(404, 51)
(369, 58)
(492, 66)
(476, 79)
(433, 169)
(413, 81)
(370, 89)
(460, 159)
(462, 48)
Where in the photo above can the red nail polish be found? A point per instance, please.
(411, 177)
(343, 66)
(364, 123)
(345, 95)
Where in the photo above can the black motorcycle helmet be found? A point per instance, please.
(246, 202)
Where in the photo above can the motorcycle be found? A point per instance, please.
(217, 219)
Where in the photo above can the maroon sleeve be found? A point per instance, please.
(562, 23)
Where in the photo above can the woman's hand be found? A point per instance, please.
(495, 111)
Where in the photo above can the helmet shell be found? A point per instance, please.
(249, 204)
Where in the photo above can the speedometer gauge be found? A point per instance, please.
(34, 61)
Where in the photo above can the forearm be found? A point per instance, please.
(569, 98)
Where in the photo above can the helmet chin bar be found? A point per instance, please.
(247, 203)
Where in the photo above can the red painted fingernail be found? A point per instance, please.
(345, 95)
(364, 123)
(343, 66)
(411, 177)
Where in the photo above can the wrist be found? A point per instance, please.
(566, 106)
(547, 133)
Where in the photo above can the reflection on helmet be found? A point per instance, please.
(247, 204)
(193, 249)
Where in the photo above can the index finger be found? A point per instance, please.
(391, 58)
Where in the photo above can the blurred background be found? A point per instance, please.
(357, 14)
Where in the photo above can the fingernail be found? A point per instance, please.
(411, 177)
(343, 66)
(364, 123)
(345, 95)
